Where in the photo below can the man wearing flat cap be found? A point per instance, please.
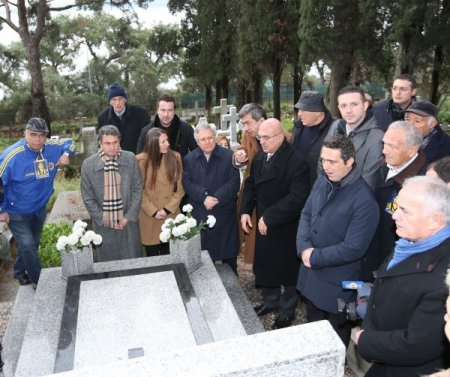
(312, 125)
(27, 171)
(436, 143)
(129, 119)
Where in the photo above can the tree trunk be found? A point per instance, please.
(277, 71)
(298, 81)
(208, 96)
(340, 74)
(438, 61)
(257, 94)
(39, 103)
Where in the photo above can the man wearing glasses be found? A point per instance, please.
(403, 93)
(27, 171)
(277, 187)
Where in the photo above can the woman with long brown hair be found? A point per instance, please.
(161, 172)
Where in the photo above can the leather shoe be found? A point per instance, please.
(263, 310)
(282, 321)
(24, 280)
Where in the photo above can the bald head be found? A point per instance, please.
(270, 134)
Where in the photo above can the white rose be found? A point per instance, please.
(85, 241)
(165, 235)
(72, 239)
(89, 235)
(191, 222)
(187, 208)
(78, 232)
(211, 221)
(180, 218)
(97, 239)
(61, 244)
(79, 225)
(177, 231)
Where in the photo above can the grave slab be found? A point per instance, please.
(310, 350)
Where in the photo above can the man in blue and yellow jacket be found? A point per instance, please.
(27, 171)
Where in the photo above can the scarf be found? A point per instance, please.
(112, 199)
(404, 248)
(428, 138)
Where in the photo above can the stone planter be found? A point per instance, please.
(78, 262)
(186, 252)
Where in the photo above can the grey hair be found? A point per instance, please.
(203, 126)
(412, 134)
(255, 110)
(431, 120)
(108, 130)
(435, 193)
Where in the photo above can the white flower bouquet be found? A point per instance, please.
(184, 227)
(79, 238)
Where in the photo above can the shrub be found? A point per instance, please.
(49, 256)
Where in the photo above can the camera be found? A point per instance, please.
(353, 311)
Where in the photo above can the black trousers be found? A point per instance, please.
(284, 298)
(314, 314)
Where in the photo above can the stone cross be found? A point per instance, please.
(196, 111)
(222, 110)
(232, 119)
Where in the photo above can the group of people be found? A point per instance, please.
(336, 200)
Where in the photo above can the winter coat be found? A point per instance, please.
(384, 240)
(162, 195)
(387, 112)
(133, 121)
(184, 139)
(404, 323)
(368, 141)
(278, 193)
(312, 158)
(438, 146)
(216, 177)
(117, 244)
(338, 221)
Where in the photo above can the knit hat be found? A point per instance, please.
(311, 101)
(116, 90)
(37, 125)
(423, 108)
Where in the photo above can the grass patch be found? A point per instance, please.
(62, 184)
(48, 254)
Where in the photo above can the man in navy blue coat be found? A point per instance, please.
(335, 230)
(211, 184)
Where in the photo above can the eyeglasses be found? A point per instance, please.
(265, 137)
(401, 89)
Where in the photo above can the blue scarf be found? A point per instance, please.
(404, 248)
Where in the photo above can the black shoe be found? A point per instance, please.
(24, 280)
(263, 310)
(283, 320)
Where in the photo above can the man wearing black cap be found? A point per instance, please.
(310, 128)
(436, 143)
(27, 171)
(129, 119)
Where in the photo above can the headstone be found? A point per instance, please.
(232, 119)
(221, 110)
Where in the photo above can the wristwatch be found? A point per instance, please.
(66, 154)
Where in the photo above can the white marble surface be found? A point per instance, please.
(310, 350)
(117, 314)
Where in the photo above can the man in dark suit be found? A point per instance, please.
(335, 230)
(403, 329)
(403, 159)
(211, 184)
(129, 119)
(277, 186)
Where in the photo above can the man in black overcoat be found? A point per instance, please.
(277, 186)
